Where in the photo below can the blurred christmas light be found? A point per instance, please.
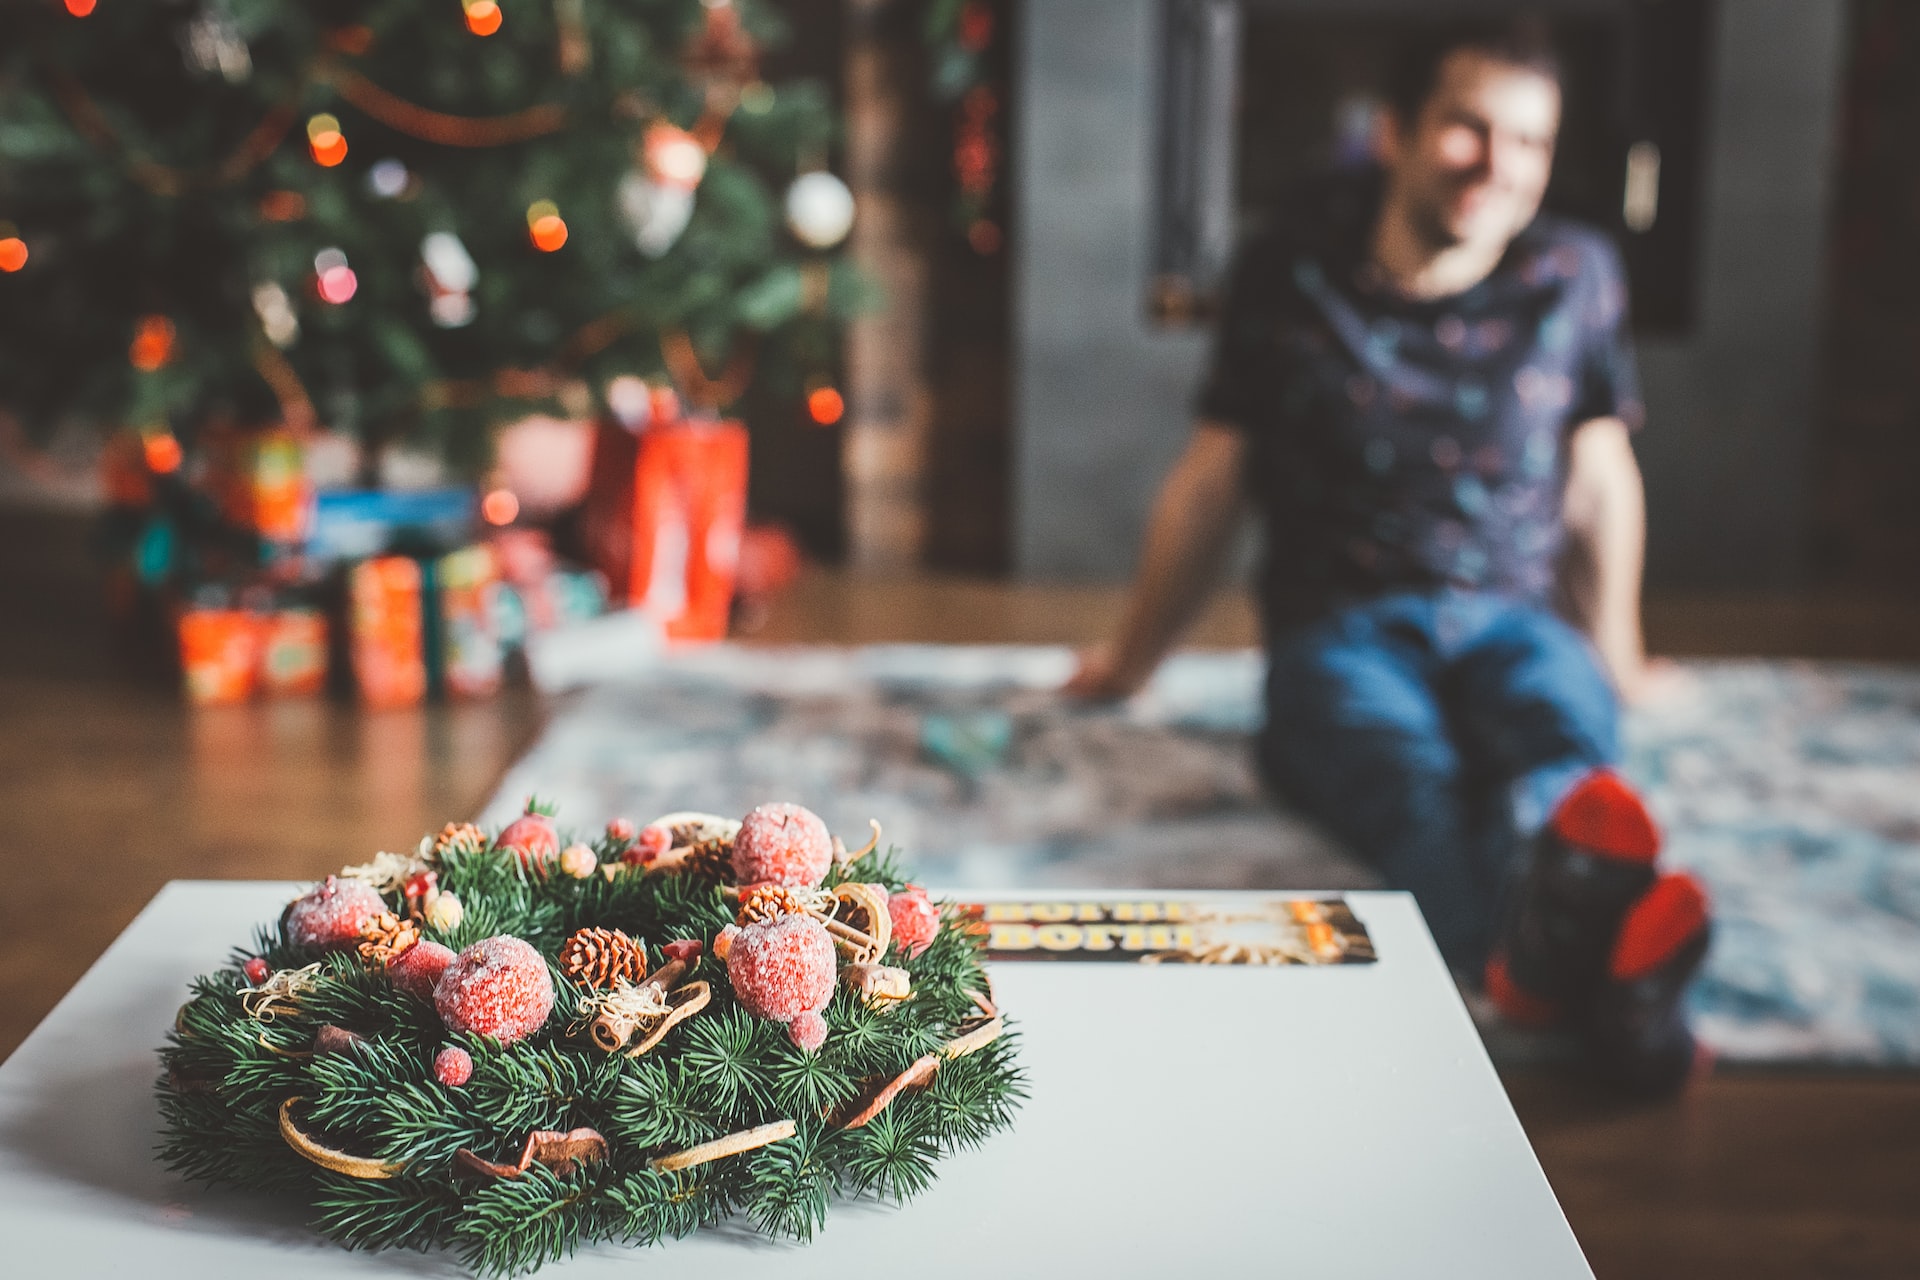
(80, 8)
(387, 179)
(275, 309)
(499, 507)
(152, 344)
(545, 226)
(283, 206)
(984, 237)
(334, 280)
(328, 144)
(825, 406)
(819, 209)
(483, 17)
(757, 98)
(162, 453)
(13, 253)
(674, 156)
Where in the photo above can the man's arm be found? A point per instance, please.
(1188, 536)
(1606, 516)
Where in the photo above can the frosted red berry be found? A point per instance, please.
(782, 968)
(453, 1066)
(808, 1031)
(418, 969)
(332, 913)
(652, 841)
(497, 987)
(621, 830)
(916, 921)
(782, 843)
(256, 968)
(421, 884)
(531, 835)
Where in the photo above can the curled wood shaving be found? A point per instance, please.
(560, 1152)
(280, 993)
(977, 1037)
(732, 1144)
(917, 1076)
(329, 1158)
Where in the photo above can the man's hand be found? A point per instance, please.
(1099, 677)
(1188, 535)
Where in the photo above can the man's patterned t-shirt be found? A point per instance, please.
(1402, 444)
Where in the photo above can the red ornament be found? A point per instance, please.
(497, 987)
(332, 914)
(684, 949)
(453, 1066)
(257, 969)
(782, 969)
(418, 969)
(916, 921)
(782, 844)
(532, 836)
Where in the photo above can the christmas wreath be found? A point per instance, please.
(509, 1044)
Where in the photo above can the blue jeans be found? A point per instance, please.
(1432, 733)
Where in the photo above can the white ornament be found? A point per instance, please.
(819, 209)
(655, 212)
(631, 401)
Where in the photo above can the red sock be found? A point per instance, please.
(1663, 920)
(1603, 815)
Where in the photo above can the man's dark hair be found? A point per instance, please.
(1518, 41)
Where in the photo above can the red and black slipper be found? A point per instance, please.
(1637, 1026)
(1592, 861)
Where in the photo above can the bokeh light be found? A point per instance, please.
(152, 345)
(13, 253)
(337, 284)
(825, 406)
(80, 8)
(328, 144)
(545, 226)
(162, 452)
(483, 17)
(499, 507)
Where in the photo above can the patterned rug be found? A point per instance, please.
(1792, 789)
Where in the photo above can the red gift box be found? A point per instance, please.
(386, 633)
(664, 514)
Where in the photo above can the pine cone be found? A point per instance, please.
(603, 958)
(769, 902)
(710, 859)
(384, 938)
(459, 837)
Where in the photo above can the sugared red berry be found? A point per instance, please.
(808, 1031)
(497, 987)
(621, 830)
(782, 843)
(531, 835)
(453, 1066)
(332, 913)
(256, 968)
(418, 969)
(782, 968)
(916, 921)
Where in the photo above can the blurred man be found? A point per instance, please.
(1427, 390)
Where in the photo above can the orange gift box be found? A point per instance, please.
(219, 655)
(386, 638)
(469, 580)
(664, 515)
(293, 652)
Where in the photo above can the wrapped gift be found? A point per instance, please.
(663, 520)
(259, 481)
(293, 652)
(386, 641)
(470, 648)
(219, 654)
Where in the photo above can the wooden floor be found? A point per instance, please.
(109, 787)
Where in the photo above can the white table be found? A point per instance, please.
(1339, 1121)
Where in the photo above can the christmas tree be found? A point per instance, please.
(407, 218)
